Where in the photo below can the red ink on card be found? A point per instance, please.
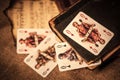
(93, 49)
(69, 32)
(22, 31)
(46, 31)
(25, 49)
(82, 15)
(25, 31)
(107, 32)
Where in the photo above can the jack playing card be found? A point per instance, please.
(88, 33)
(29, 39)
(67, 59)
(42, 59)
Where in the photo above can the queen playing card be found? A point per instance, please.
(29, 39)
(88, 33)
(42, 59)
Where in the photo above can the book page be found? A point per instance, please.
(32, 14)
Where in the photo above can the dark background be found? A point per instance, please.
(12, 66)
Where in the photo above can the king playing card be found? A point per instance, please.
(88, 33)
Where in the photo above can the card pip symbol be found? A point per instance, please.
(93, 49)
(83, 16)
(69, 32)
(107, 32)
(45, 72)
(46, 32)
(21, 50)
(64, 67)
(29, 58)
(22, 31)
(59, 46)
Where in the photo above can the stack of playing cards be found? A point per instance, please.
(45, 52)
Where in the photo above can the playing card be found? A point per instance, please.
(42, 59)
(29, 39)
(88, 33)
(67, 59)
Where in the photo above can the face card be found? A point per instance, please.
(67, 59)
(29, 39)
(42, 59)
(88, 33)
